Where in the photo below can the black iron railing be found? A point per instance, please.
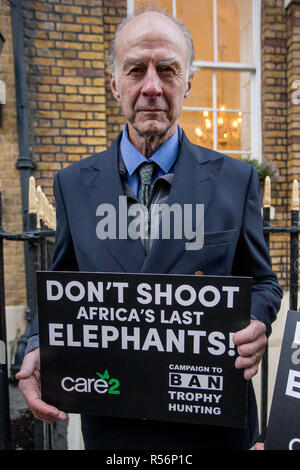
(38, 236)
(293, 231)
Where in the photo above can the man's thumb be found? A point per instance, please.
(27, 368)
(23, 373)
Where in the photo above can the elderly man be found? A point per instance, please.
(151, 77)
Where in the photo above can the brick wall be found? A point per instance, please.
(280, 116)
(274, 120)
(293, 76)
(113, 12)
(65, 56)
(15, 293)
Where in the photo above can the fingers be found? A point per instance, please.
(30, 389)
(250, 364)
(251, 343)
(31, 362)
(47, 413)
(251, 338)
(29, 384)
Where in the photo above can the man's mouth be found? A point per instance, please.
(151, 110)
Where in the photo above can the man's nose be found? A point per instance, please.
(152, 84)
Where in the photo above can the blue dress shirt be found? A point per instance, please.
(165, 158)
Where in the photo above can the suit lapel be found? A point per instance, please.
(102, 183)
(194, 182)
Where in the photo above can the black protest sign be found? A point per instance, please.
(284, 422)
(116, 344)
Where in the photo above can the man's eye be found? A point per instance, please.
(136, 70)
(166, 70)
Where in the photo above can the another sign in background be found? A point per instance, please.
(143, 345)
(284, 422)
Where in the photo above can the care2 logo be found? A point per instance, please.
(114, 383)
(102, 385)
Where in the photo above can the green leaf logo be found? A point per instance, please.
(104, 376)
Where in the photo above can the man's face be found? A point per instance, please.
(151, 79)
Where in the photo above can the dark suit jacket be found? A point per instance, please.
(233, 245)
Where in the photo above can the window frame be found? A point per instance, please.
(255, 89)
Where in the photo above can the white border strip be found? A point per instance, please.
(130, 7)
(256, 128)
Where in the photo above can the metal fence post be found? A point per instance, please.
(265, 358)
(5, 432)
(294, 247)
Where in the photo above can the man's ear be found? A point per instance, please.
(188, 87)
(114, 88)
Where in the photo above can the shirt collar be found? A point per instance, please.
(164, 157)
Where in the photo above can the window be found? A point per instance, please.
(223, 111)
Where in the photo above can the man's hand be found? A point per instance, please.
(250, 343)
(29, 385)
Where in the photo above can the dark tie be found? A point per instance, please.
(146, 171)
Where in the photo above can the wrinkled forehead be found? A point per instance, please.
(151, 34)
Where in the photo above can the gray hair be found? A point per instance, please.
(151, 7)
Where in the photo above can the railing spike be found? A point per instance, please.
(45, 204)
(40, 206)
(54, 218)
(51, 214)
(32, 209)
(267, 192)
(295, 196)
